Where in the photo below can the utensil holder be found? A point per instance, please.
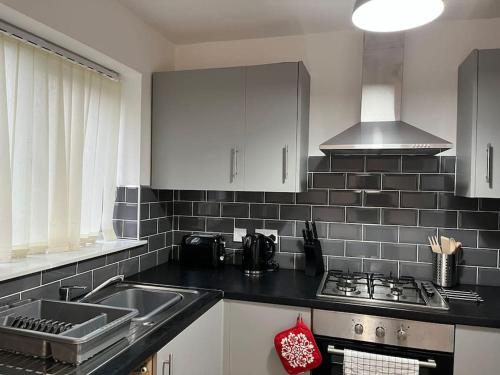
(444, 269)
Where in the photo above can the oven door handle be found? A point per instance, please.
(428, 364)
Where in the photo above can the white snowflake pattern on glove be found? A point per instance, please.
(297, 350)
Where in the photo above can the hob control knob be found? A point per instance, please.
(402, 334)
(358, 329)
(380, 332)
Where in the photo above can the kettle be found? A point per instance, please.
(258, 252)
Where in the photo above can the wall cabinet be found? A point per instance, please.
(243, 128)
(477, 350)
(478, 125)
(249, 330)
(197, 350)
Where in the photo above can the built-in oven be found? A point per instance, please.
(430, 343)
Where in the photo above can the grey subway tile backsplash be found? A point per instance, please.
(380, 233)
(478, 220)
(206, 209)
(386, 267)
(437, 182)
(328, 213)
(220, 196)
(312, 197)
(381, 199)
(318, 163)
(435, 218)
(449, 201)
(406, 217)
(347, 163)
(297, 212)
(418, 200)
(240, 210)
(364, 181)
(329, 180)
(264, 211)
(362, 249)
(249, 196)
(399, 252)
(363, 215)
(420, 164)
(400, 182)
(286, 198)
(386, 163)
(346, 198)
(345, 231)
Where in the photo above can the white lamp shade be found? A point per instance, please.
(395, 15)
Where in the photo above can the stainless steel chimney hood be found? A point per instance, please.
(381, 130)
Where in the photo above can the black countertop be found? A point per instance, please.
(293, 287)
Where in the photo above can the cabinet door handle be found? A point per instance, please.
(488, 164)
(170, 363)
(234, 163)
(285, 163)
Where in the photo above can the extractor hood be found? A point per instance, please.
(381, 130)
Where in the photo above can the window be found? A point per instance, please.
(59, 126)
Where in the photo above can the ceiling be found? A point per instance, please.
(195, 21)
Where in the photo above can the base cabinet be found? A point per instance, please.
(249, 330)
(477, 350)
(197, 350)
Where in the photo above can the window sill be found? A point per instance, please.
(41, 262)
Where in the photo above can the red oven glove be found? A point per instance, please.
(297, 348)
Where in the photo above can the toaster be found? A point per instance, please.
(203, 250)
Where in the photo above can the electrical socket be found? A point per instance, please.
(238, 234)
(268, 232)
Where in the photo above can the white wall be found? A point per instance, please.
(110, 34)
(432, 56)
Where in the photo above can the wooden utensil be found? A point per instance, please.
(434, 244)
(445, 245)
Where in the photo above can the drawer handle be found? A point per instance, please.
(170, 363)
(285, 163)
(488, 164)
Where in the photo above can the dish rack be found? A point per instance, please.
(66, 331)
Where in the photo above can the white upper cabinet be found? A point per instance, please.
(478, 125)
(241, 128)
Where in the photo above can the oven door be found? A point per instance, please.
(333, 363)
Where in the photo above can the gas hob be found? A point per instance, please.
(379, 289)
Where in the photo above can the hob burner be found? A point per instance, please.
(346, 286)
(396, 291)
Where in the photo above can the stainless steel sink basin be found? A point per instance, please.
(147, 302)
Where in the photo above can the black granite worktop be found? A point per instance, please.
(293, 287)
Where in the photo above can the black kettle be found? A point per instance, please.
(258, 253)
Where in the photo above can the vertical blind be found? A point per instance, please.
(59, 125)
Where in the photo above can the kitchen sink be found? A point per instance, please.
(147, 302)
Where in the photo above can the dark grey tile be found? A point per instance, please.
(157, 242)
(344, 264)
(240, 210)
(489, 276)
(291, 245)
(422, 271)
(117, 257)
(312, 197)
(249, 224)
(418, 200)
(309, 182)
(132, 195)
(295, 212)
(90, 264)
(448, 164)
(329, 180)
(345, 231)
(183, 208)
(380, 233)
(386, 163)
(284, 228)
(467, 237)
(420, 164)
(321, 227)
(102, 274)
(48, 291)
(130, 229)
(362, 249)
(129, 267)
(435, 218)
(220, 196)
(399, 252)
(178, 235)
(157, 209)
(264, 211)
(400, 182)
(437, 182)
(449, 201)
(148, 227)
(120, 194)
(387, 267)
(13, 298)
(165, 224)
(479, 257)
(416, 235)
(285, 260)
(144, 207)
(206, 209)
(424, 253)
(164, 255)
(125, 211)
(82, 279)
(489, 204)
(165, 195)
(220, 225)
(147, 261)
(169, 238)
(169, 208)
(347, 163)
(332, 247)
(318, 163)
(381, 198)
(364, 181)
(189, 223)
(331, 214)
(467, 275)
(286, 198)
(148, 194)
(399, 217)
(489, 239)
(118, 228)
(249, 196)
(345, 198)
(58, 273)
(192, 195)
(363, 215)
(478, 220)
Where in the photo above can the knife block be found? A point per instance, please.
(314, 258)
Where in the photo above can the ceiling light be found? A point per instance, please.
(395, 15)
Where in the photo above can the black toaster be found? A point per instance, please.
(203, 250)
